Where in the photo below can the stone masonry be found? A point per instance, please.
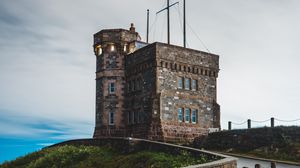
(153, 91)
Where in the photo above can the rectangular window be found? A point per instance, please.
(180, 115)
(187, 82)
(180, 82)
(111, 118)
(187, 115)
(194, 84)
(112, 88)
(194, 116)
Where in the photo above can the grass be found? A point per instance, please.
(90, 156)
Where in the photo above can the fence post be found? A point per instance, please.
(272, 122)
(273, 164)
(229, 125)
(249, 123)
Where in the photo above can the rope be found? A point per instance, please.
(261, 121)
(198, 38)
(239, 123)
(287, 120)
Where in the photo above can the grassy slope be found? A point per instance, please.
(87, 156)
(280, 143)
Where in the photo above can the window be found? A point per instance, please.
(111, 118)
(180, 115)
(187, 115)
(112, 48)
(180, 82)
(112, 88)
(194, 116)
(194, 84)
(187, 82)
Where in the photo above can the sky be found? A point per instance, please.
(47, 64)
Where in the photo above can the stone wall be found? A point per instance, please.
(110, 47)
(133, 144)
(175, 62)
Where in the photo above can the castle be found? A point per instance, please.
(153, 91)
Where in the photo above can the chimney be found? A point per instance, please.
(132, 28)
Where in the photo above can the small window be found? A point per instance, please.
(180, 115)
(180, 82)
(187, 82)
(194, 116)
(111, 118)
(112, 88)
(187, 115)
(112, 48)
(194, 84)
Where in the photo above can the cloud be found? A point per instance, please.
(47, 66)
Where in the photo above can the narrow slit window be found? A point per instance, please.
(111, 118)
(112, 88)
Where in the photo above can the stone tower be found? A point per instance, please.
(110, 47)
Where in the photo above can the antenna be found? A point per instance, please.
(184, 26)
(168, 17)
(147, 37)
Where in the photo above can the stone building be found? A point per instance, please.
(154, 91)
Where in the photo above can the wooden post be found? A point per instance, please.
(273, 164)
(249, 123)
(272, 122)
(229, 125)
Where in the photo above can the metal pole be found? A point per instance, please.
(147, 37)
(272, 122)
(229, 125)
(249, 123)
(168, 7)
(184, 26)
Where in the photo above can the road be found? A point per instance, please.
(243, 162)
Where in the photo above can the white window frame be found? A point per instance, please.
(112, 87)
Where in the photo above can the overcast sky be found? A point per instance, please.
(47, 65)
